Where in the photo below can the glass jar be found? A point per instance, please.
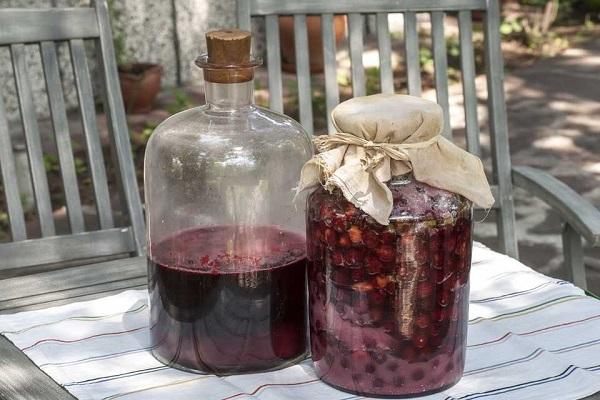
(226, 244)
(389, 304)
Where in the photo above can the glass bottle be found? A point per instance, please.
(389, 304)
(226, 244)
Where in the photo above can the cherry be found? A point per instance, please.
(422, 321)
(329, 237)
(444, 298)
(344, 241)
(424, 289)
(373, 264)
(337, 258)
(341, 277)
(420, 340)
(350, 211)
(371, 239)
(326, 213)
(357, 275)
(382, 281)
(354, 256)
(355, 234)
(362, 287)
(439, 315)
(388, 237)
(385, 253)
(376, 297)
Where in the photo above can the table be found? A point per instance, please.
(20, 378)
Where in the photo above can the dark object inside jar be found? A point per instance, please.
(228, 299)
(389, 304)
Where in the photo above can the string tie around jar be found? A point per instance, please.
(381, 136)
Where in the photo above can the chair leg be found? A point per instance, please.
(573, 251)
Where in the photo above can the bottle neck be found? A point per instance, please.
(229, 96)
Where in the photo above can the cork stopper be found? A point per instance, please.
(228, 59)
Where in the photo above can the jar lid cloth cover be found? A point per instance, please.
(386, 135)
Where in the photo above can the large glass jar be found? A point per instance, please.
(389, 304)
(226, 243)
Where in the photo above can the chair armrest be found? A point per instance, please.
(577, 212)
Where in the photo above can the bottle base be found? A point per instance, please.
(234, 370)
(392, 396)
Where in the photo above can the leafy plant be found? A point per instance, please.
(182, 102)
(121, 53)
(51, 163)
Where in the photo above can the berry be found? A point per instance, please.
(337, 258)
(344, 241)
(444, 298)
(371, 239)
(376, 297)
(339, 224)
(422, 321)
(424, 289)
(382, 281)
(354, 256)
(355, 234)
(388, 237)
(357, 275)
(326, 213)
(329, 237)
(420, 340)
(350, 211)
(376, 314)
(373, 264)
(362, 287)
(385, 253)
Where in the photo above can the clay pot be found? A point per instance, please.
(315, 41)
(140, 83)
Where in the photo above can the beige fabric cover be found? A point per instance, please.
(387, 135)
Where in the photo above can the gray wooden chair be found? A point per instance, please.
(580, 218)
(38, 272)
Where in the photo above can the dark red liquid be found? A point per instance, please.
(389, 304)
(228, 299)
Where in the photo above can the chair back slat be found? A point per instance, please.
(92, 136)
(411, 54)
(33, 141)
(274, 63)
(303, 72)
(355, 37)
(440, 65)
(61, 135)
(29, 250)
(386, 75)
(32, 26)
(467, 63)
(119, 132)
(332, 92)
(499, 130)
(9, 180)
(440, 12)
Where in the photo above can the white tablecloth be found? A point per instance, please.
(530, 337)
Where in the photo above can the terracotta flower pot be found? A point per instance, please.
(315, 41)
(140, 83)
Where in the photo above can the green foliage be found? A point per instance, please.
(51, 163)
(80, 166)
(147, 132)
(182, 102)
(121, 53)
(372, 78)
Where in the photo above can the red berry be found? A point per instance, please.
(329, 237)
(373, 264)
(422, 321)
(443, 298)
(371, 239)
(439, 314)
(425, 289)
(357, 275)
(420, 340)
(339, 224)
(350, 210)
(376, 297)
(326, 213)
(337, 258)
(355, 234)
(362, 287)
(388, 237)
(408, 353)
(354, 256)
(376, 314)
(344, 241)
(382, 281)
(385, 253)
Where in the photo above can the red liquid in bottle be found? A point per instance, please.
(229, 299)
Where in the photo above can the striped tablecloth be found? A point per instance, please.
(530, 337)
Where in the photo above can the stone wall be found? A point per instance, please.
(147, 29)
